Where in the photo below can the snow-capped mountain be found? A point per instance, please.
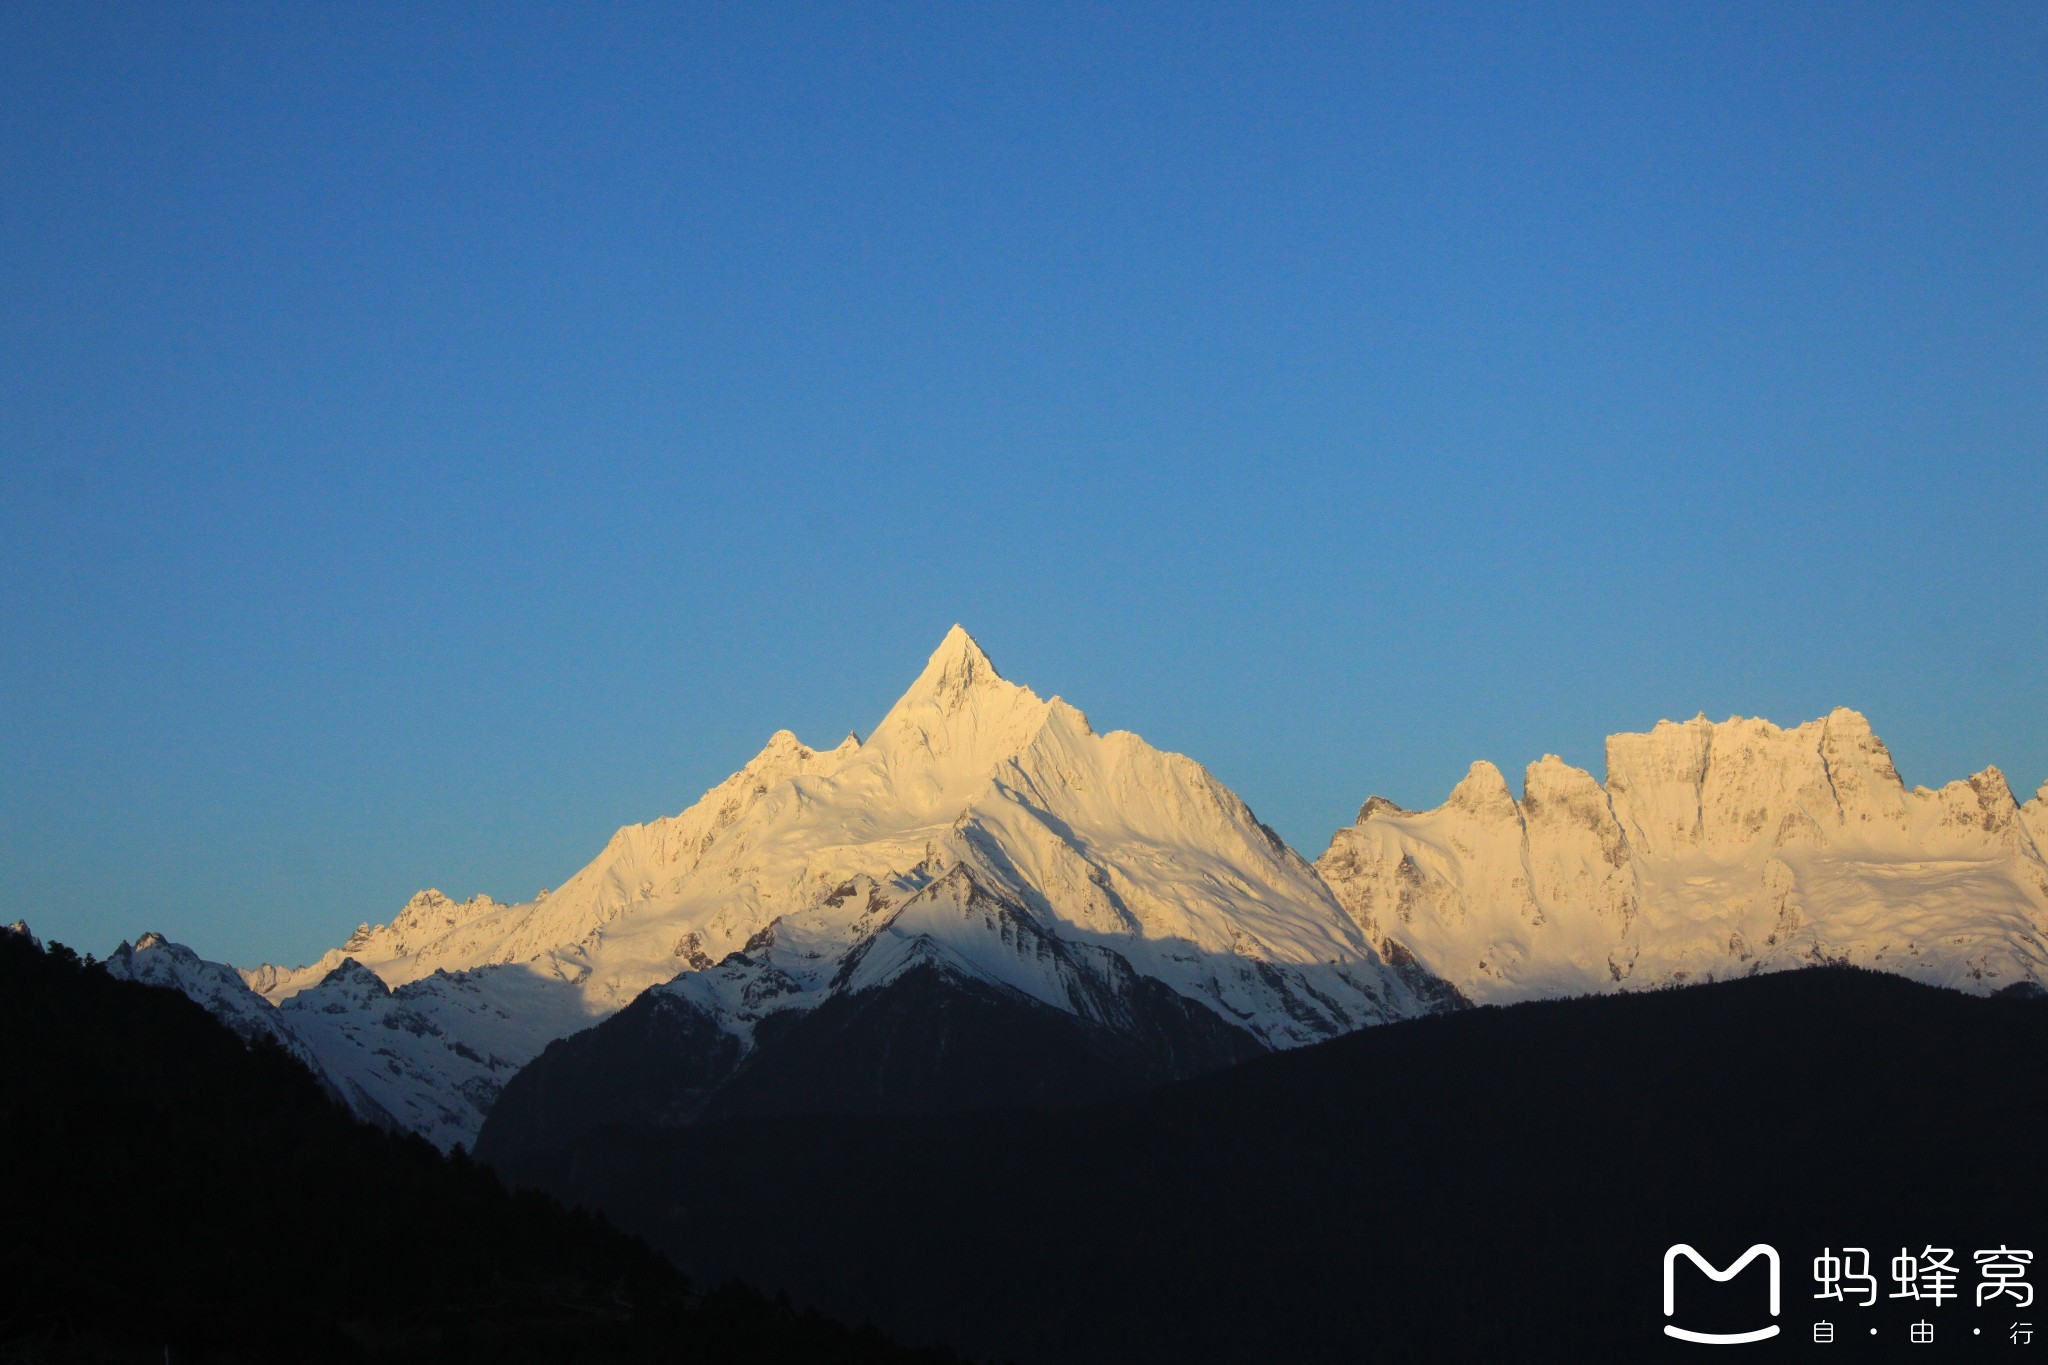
(1713, 850)
(429, 1056)
(154, 960)
(980, 832)
(987, 900)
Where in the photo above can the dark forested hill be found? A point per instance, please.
(929, 1041)
(1499, 1184)
(170, 1193)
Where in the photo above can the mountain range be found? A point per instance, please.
(985, 902)
(1712, 850)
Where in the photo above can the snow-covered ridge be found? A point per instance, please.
(429, 1056)
(154, 960)
(980, 828)
(994, 836)
(1711, 850)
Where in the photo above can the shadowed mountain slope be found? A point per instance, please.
(928, 1041)
(1495, 1184)
(175, 1193)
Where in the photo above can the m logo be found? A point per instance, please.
(1671, 1256)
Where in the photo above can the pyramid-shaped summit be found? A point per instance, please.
(981, 835)
(955, 668)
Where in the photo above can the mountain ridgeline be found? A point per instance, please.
(987, 903)
(929, 1041)
(1036, 1040)
(1713, 850)
(1495, 1184)
(177, 1193)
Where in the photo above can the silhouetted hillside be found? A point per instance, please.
(1498, 1184)
(927, 1042)
(168, 1187)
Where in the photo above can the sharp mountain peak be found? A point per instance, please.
(958, 665)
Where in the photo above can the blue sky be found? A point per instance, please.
(434, 436)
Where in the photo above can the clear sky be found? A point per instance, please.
(435, 435)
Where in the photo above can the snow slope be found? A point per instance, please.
(430, 1056)
(1713, 850)
(435, 1052)
(979, 827)
(154, 960)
